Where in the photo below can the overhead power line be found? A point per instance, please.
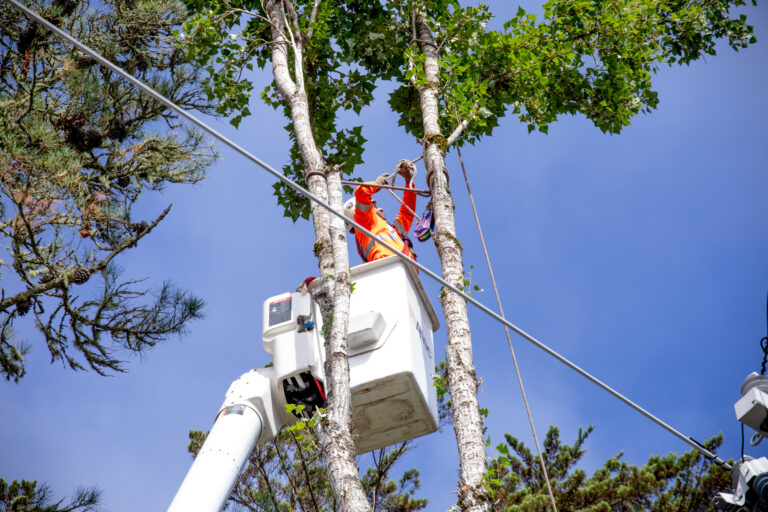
(309, 195)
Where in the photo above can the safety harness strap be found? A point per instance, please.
(399, 228)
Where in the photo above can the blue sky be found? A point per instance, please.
(641, 257)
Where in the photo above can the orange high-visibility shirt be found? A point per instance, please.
(366, 216)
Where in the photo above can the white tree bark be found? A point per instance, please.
(462, 382)
(331, 248)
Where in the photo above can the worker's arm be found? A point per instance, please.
(404, 218)
(364, 211)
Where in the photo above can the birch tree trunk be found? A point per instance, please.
(462, 382)
(331, 248)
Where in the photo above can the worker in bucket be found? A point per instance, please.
(363, 210)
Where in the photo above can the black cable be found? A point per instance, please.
(742, 442)
(711, 456)
(764, 341)
(764, 346)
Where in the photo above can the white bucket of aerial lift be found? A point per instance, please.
(391, 355)
(391, 352)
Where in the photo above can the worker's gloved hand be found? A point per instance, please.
(404, 169)
(382, 179)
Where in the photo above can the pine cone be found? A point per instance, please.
(139, 227)
(76, 120)
(83, 140)
(83, 61)
(67, 6)
(22, 308)
(93, 138)
(26, 37)
(75, 136)
(123, 181)
(117, 131)
(81, 275)
(137, 62)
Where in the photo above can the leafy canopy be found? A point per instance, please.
(592, 57)
(229, 37)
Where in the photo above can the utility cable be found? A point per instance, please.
(506, 331)
(338, 213)
(764, 341)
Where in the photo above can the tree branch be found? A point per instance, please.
(456, 133)
(67, 276)
(312, 19)
(306, 471)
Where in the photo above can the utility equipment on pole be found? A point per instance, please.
(749, 476)
(752, 407)
(391, 363)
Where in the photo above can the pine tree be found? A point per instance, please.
(78, 147)
(666, 483)
(27, 496)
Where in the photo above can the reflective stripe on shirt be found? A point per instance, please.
(390, 236)
(399, 228)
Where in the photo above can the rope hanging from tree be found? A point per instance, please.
(509, 338)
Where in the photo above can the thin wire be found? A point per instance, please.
(506, 331)
(309, 195)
